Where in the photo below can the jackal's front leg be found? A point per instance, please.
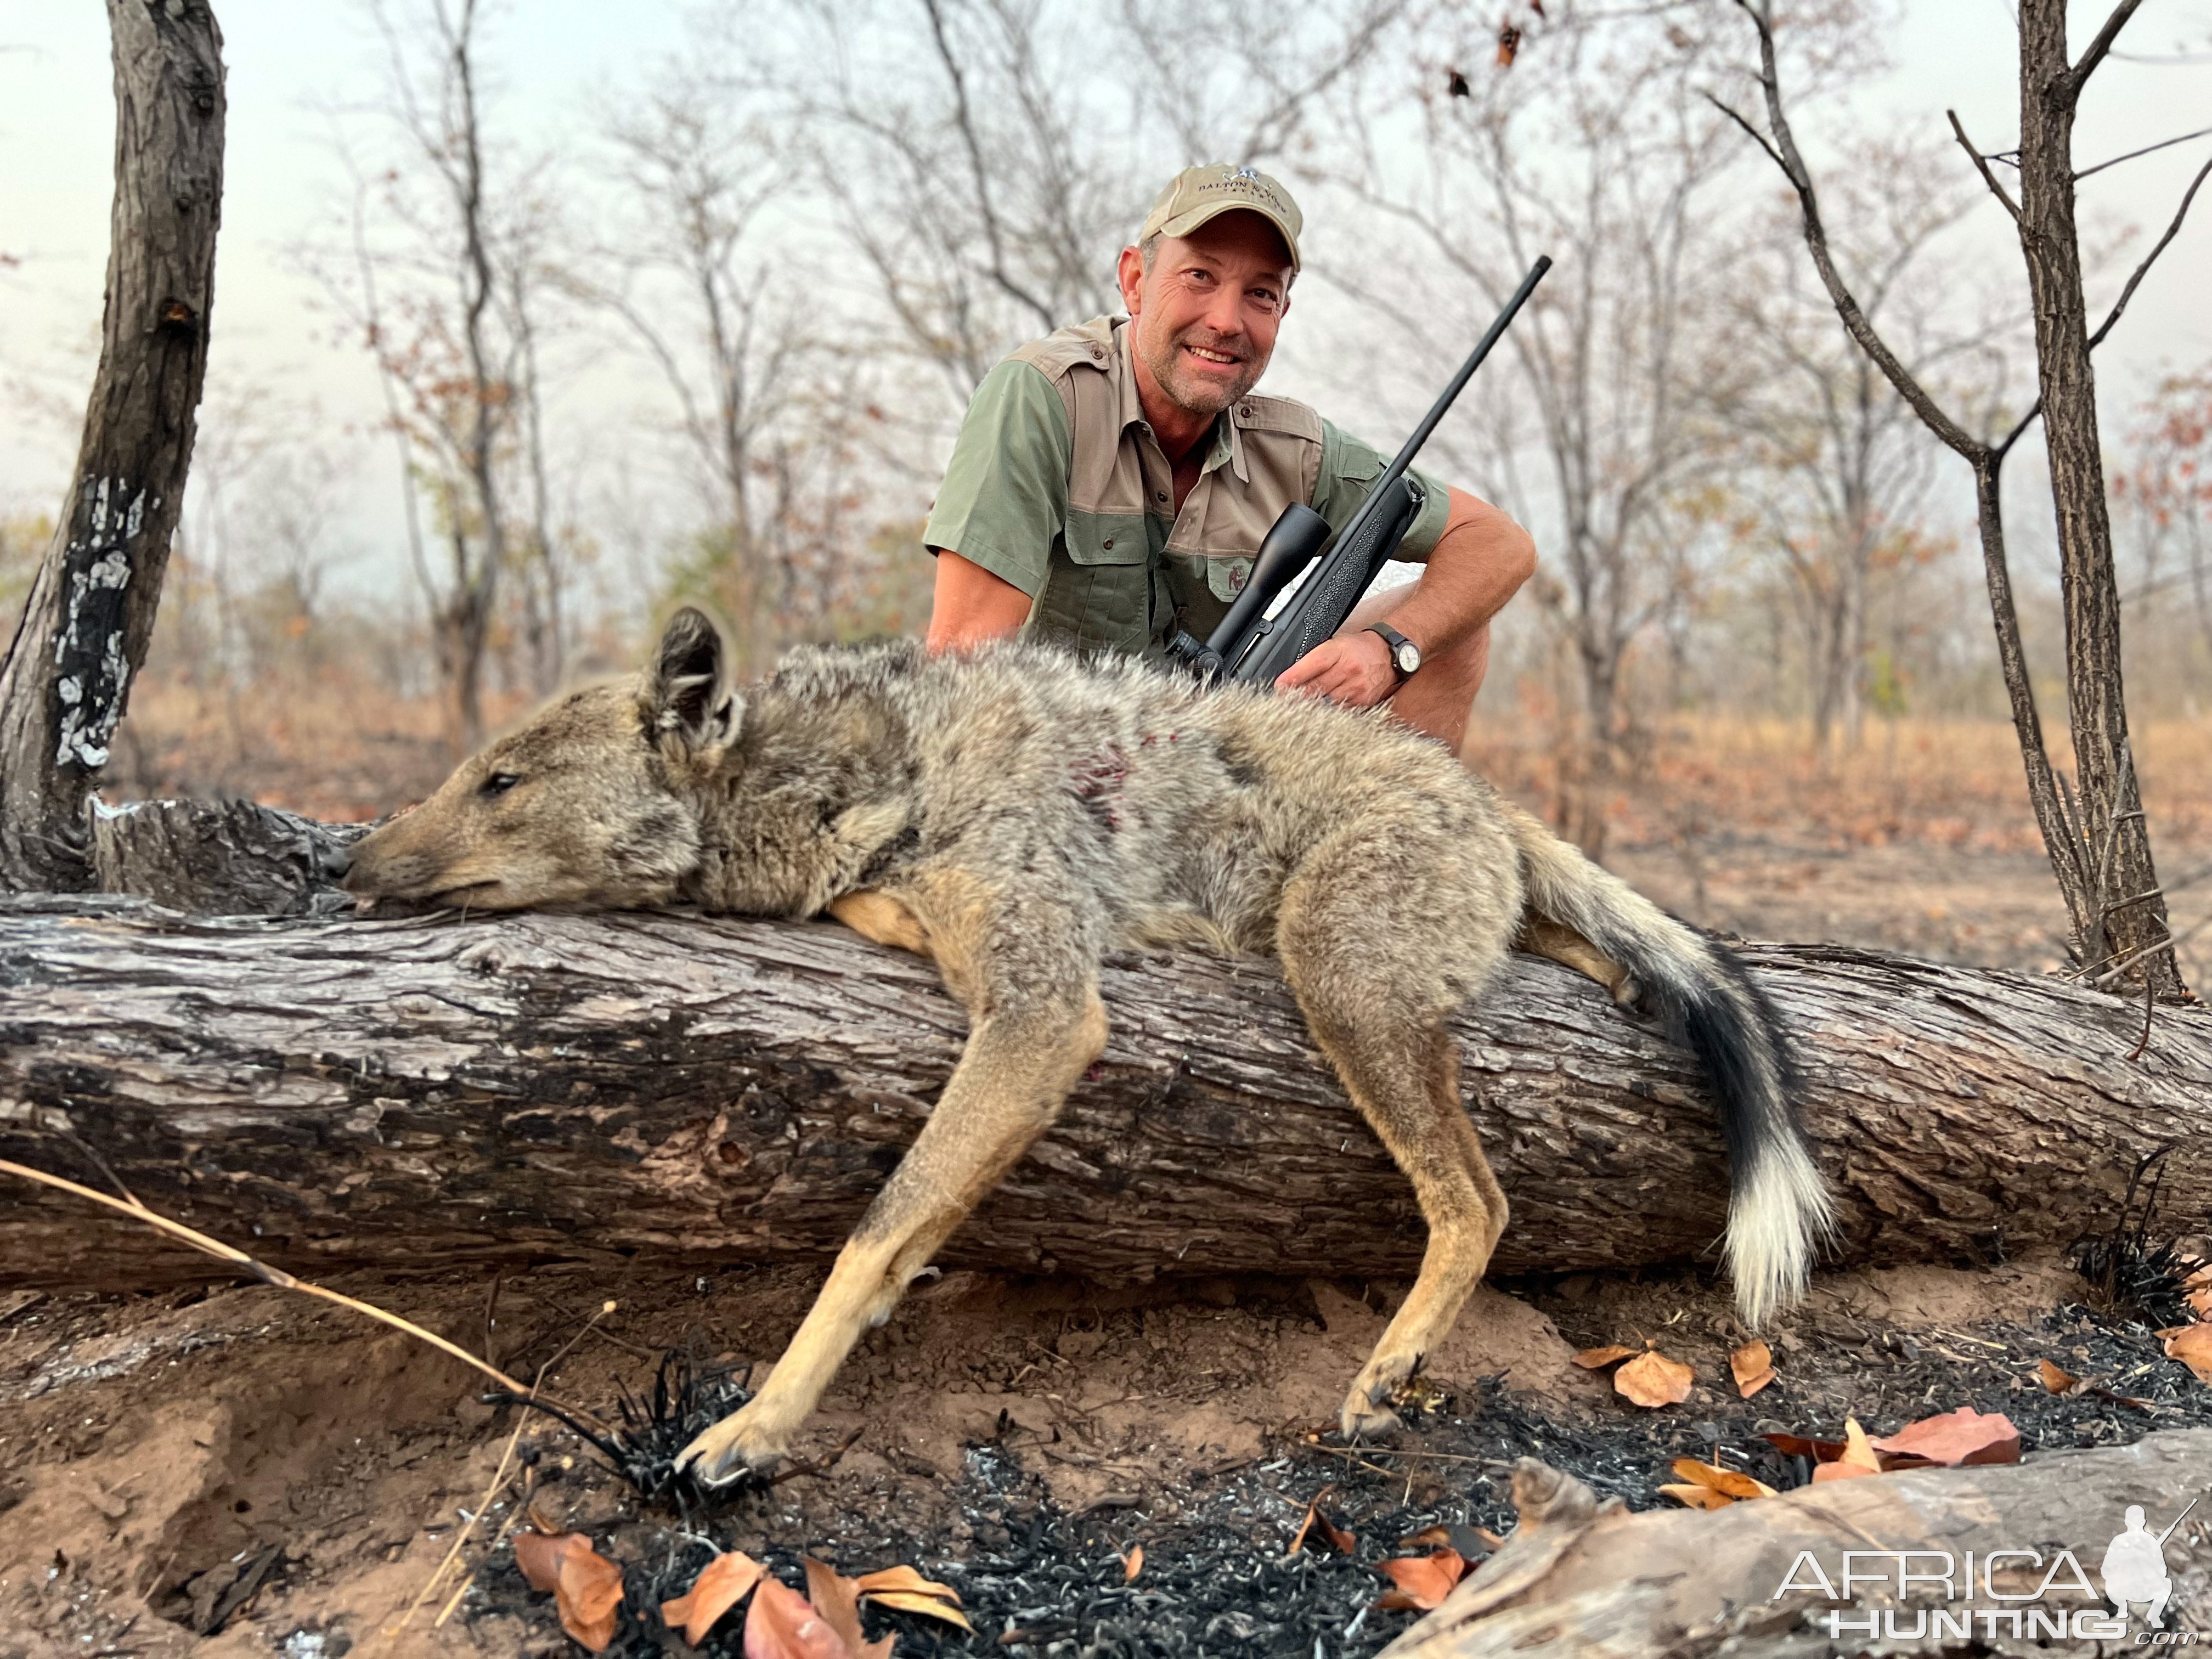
(1035, 1032)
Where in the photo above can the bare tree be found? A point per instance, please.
(2097, 837)
(1600, 163)
(2168, 495)
(446, 281)
(700, 281)
(65, 683)
(1836, 466)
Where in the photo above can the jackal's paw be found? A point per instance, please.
(1367, 1409)
(738, 1446)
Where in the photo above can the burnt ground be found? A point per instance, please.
(251, 1463)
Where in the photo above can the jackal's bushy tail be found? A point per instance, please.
(1779, 1210)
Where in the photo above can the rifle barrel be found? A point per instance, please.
(1442, 406)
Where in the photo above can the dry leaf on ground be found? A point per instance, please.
(784, 1625)
(1473, 1542)
(2057, 1379)
(1965, 1436)
(539, 1553)
(1319, 1526)
(905, 1578)
(1796, 1445)
(721, 1585)
(1858, 1456)
(837, 1599)
(1651, 1379)
(588, 1596)
(1752, 1367)
(928, 1605)
(587, 1587)
(1730, 1484)
(1597, 1359)
(1423, 1581)
(2192, 1345)
(1132, 1564)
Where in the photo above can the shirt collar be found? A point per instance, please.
(1227, 445)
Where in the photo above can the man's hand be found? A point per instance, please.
(1354, 670)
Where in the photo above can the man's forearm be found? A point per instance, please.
(1477, 565)
(970, 605)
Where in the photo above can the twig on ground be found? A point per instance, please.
(260, 1270)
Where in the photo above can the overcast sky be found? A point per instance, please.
(291, 59)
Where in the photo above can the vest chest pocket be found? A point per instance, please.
(1097, 591)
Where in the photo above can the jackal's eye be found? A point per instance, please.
(498, 783)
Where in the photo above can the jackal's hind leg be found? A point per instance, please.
(1368, 974)
(1556, 941)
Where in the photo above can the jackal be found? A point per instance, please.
(1017, 813)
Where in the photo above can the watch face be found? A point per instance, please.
(1409, 657)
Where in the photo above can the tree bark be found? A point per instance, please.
(66, 680)
(2127, 920)
(1577, 1578)
(419, 1092)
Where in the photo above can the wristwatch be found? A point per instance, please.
(1405, 655)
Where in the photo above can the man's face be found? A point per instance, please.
(1206, 312)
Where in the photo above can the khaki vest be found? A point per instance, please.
(1128, 570)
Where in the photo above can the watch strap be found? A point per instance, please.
(1396, 642)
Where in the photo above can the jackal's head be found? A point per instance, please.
(586, 806)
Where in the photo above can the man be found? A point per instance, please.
(1112, 481)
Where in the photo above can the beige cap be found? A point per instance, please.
(1198, 194)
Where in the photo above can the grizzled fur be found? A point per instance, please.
(1015, 814)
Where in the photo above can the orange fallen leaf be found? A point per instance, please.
(782, 1623)
(1132, 1564)
(905, 1578)
(928, 1605)
(1653, 1380)
(1857, 1458)
(1730, 1483)
(1597, 1359)
(1696, 1497)
(837, 1599)
(1965, 1436)
(1335, 1536)
(2192, 1345)
(587, 1595)
(1795, 1445)
(721, 1585)
(1423, 1581)
(2056, 1379)
(1509, 44)
(1752, 1367)
(539, 1553)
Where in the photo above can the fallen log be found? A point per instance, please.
(419, 1092)
(1577, 1579)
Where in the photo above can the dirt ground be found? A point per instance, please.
(239, 1471)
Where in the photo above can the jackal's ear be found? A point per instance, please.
(687, 691)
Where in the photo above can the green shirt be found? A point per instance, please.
(1057, 485)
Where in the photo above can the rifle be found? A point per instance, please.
(1255, 647)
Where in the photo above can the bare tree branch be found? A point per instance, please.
(2163, 144)
(1982, 167)
(2094, 54)
(2141, 270)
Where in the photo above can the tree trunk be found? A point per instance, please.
(66, 680)
(420, 1092)
(1576, 1579)
(2127, 919)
